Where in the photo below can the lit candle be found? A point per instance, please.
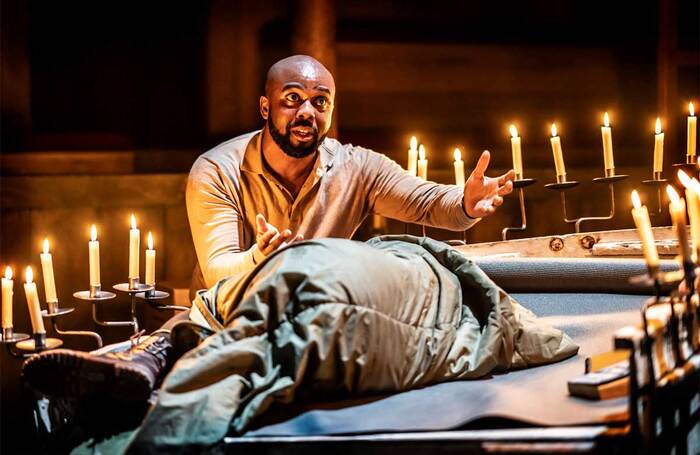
(658, 151)
(677, 209)
(134, 240)
(412, 156)
(33, 302)
(606, 132)
(94, 249)
(459, 168)
(558, 156)
(641, 220)
(47, 269)
(150, 262)
(693, 201)
(692, 130)
(517, 153)
(422, 163)
(7, 292)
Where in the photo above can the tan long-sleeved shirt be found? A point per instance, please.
(229, 185)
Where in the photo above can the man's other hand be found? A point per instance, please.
(483, 194)
(269, 238)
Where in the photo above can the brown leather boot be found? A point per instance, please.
(129, 376)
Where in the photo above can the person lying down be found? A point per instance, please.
(335, 317)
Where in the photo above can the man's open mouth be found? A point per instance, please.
(303, 133)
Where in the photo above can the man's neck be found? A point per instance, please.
(291, 172)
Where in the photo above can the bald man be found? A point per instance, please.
(257, 192)
(253, 194)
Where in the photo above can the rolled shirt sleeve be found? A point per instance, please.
(396, 194)
(214, 218)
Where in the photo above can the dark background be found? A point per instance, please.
(105, 105)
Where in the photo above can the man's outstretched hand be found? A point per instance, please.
(483, 194)
(269, 238)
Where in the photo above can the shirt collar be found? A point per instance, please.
(252, 157)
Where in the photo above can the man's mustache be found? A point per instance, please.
(302, 122)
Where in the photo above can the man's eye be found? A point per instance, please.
(293, 97)
(322, 102)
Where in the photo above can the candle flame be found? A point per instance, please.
(691, 109)
(421, 152)
(658, 125)
(414, 143)
(606, 120)
(458, 154)
(8, 273)
(93, 233)
(29, 275)
(672, 194)
(133, 221)
(635, 199)
(554, 130)
(150, 241)
(513, 131)
(46, 246)
(685, 180)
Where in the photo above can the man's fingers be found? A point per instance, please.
(278, 240)
(498, 200)
(261, 223)
(482, 164)
(505, 189)
(264, 238)
(298, 238)
(508, 176)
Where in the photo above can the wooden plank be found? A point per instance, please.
(67, 162)
(93, 191)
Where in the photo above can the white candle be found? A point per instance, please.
(422, 163)
(7, 292)
(692, 130)
(33, 302)
(558, 155)
(517, 153)
(412, 156)
(94, 250)
(47, 269)
(677, 209)
(606, 132)
(134, 240)
(150, 262)
(691, 197)
(459, 168)
(641, 220)
(658, 149)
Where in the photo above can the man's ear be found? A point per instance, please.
(264, 107)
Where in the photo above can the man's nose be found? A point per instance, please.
(305, 111)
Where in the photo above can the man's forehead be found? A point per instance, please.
(302, 74)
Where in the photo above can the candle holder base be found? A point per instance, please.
(152, 297)
(97, 297)
(132, 288)
(520, 185)
(565, 186)
(38, 344)
(12, 337)
(58, 312)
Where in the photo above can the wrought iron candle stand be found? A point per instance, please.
(54, 312)
(153, 296)
(658, 182)
(96, 296)
(26, 345)
(520, 185)
(563, 186)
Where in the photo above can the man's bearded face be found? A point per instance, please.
(304, 129)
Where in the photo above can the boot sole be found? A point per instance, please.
(74, 374)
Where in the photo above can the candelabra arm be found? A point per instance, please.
(84, 333)
(97, 320)
(523, 217)
(610, 216)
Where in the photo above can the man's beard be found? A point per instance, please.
(284, 140)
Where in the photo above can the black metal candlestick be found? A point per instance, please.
(57, 313)
(658, 181)
(520, 185)
(564, 186)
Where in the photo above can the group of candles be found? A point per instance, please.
(30, 289)
(689, 253)
(418, 164)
